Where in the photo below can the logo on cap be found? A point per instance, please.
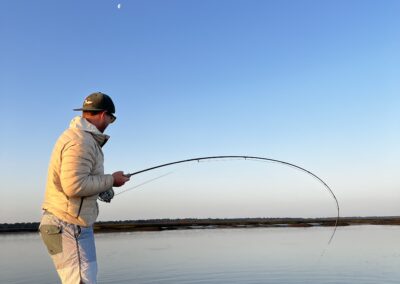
(87, 102)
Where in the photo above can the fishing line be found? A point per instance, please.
(143, 183)
(241, 157)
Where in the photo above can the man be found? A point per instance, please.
(75, 180)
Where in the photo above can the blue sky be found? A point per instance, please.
(313, 83)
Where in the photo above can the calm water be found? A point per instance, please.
(357, 254)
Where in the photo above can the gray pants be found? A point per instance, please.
(72, 249)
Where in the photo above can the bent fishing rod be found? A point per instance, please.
(254, 158)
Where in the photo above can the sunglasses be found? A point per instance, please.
(113, 117)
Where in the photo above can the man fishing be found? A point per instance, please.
(75, 180)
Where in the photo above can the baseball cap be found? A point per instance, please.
(98, 102)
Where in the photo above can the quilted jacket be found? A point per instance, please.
(76, 174)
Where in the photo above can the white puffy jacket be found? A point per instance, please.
(76, 174)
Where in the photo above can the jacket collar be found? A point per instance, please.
(81, 123)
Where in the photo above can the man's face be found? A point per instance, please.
(105, 119)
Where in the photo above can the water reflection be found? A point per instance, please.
(358, 254)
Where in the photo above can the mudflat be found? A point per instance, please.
(193, 223)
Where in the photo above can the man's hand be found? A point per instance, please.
(119, 178)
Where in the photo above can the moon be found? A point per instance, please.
(119, 6)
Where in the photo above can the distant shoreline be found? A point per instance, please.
(191, 223)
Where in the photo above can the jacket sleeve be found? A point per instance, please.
(77, 163)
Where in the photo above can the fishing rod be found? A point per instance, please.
(254, 158)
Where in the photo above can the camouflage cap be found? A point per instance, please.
(98, 102)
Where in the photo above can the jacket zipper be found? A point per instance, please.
(80, 207)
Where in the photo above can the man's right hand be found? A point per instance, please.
(119, 178)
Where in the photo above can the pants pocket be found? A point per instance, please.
(51, 236)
